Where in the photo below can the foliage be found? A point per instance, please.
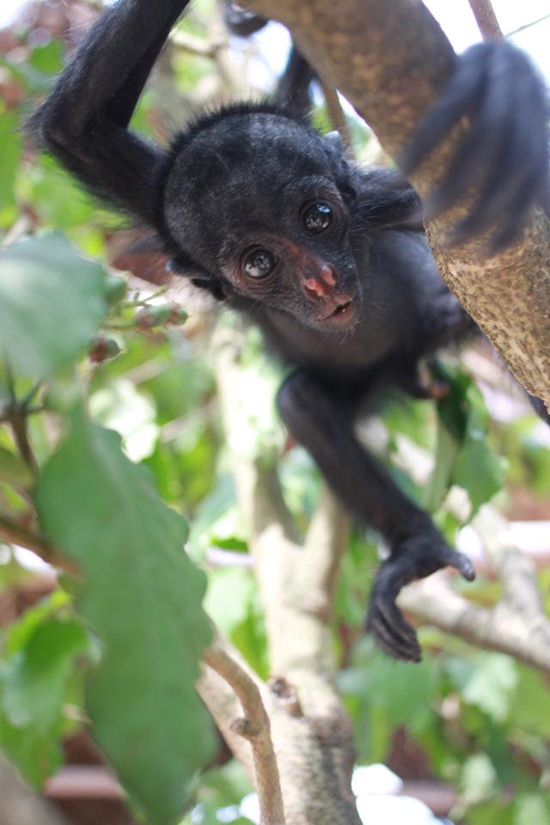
(116, 645)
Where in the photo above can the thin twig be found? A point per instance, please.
(337, 115)
(12, 533)
(486, 19)
(527, 25)
(255, 727)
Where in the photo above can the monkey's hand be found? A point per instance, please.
(415, 558)
(505, 153)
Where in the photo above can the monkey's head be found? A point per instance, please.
(256, 204)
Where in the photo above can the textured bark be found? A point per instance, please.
(391, 60)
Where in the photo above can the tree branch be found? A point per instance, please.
(310, 728)
(486, 19)
(517, 625)
(254, 727)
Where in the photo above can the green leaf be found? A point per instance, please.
(478, 469)
(10, 152)
(14, 470)
(531, 808)
(230, 591)
(492, 685)
(532, 713)
(142, 596)
(51, 301)
(35, 678)
(33, 686)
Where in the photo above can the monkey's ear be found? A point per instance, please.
(184, 265)
(211, 286)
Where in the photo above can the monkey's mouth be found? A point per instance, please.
(341, 314)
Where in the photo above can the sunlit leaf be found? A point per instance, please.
(51, 301)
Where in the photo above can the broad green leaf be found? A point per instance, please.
(51, 302)
(142, 596)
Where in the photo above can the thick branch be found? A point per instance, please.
(311, 731)
(391, 60)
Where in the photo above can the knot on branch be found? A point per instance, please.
(286, 695)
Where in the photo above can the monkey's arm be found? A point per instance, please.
(417, 548)
(84, 120)
(505, 153)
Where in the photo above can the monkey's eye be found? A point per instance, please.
(317, 218)
(259, 263)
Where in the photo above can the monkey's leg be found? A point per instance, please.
(417, 548)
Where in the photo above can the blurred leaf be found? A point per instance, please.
(51, 301)
(10, 152)
(230, 590)
(120, 407)
(478, 778)
(489, 685)
(398, 691)
(26, 626)
(48, 59)
(463, 455)
(51, 189)
(14, 470)
(142, 597)
(532, 710)
(34, 73)
(478, 469)
(530, 809)
(447, 448)
(492, 813)
(33, 685)
(37, 756)
(35, 678)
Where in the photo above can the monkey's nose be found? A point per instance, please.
(325, 276)
(315, 288)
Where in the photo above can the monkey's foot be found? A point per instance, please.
(415, 558)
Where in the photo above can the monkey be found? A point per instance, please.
(328, 258)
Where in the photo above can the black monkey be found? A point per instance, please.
(328, 258)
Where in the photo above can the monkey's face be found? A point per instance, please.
(261, 203)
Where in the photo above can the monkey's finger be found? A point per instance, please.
(461, 563)
(483, 146)
(513, 182)
(385, 617)
(513, 200)
(392, 643)
(459, 96)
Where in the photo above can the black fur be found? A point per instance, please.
(354, 307)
